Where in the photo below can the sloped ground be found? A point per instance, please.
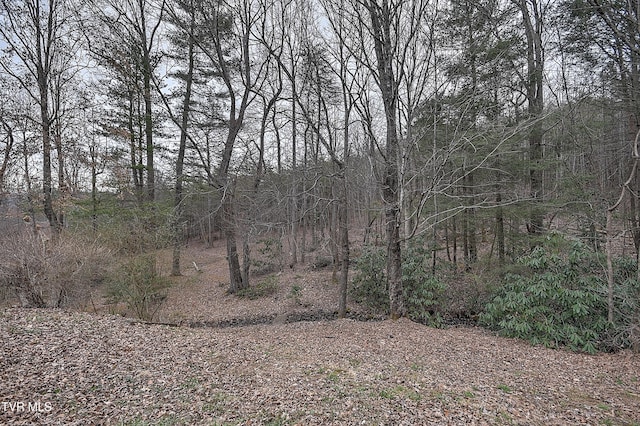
(200, 296)
(81, 369)
(58, 367)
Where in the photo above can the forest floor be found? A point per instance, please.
(282, 360)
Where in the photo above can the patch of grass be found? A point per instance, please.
(504, 418)
(416, 367)
(412, 394)
(334, 375)
(504, 388)
(165, 421)
(328, 400)
(438, 395)
(387, 394)
(468, 394)
(604, 407)
(266, 287)
(354, 362)
(362, 390)
(216, 403)
(25, 330)
(191, 383)
(400, 392)
(294, 293)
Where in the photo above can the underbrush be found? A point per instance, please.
(139, 284)
(556, 295)
(266, 287)
(106, 255)
(551, 299)
(423, 291)
(39, 272)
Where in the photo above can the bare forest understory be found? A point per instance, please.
(281, 359)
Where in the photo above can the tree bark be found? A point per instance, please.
(45, 127)
(380, 16)
(533, 24)
(186, 108)
(236, 282)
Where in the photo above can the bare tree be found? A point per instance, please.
(35, 34)
(533, 17)
(183, 15)
(341, 65)
(385, 20)
(228, 44)
(8, 142)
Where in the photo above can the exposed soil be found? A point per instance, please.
(283, 359)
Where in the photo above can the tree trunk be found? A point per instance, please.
(94, 189)
(62, 186)
(228, 223)
(147, 70)
(500, 229)
(381, 17)
(136, 170)
(609, 243)
(533, 23)
(610, 282)
(246, 259)
(294, 195)
(46, 159)
(9, 144)
(343, 231)
(471, 250)
(178, 198)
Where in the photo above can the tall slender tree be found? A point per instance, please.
(229, 46)
(534, 13)
(35, 35)
(124, 35)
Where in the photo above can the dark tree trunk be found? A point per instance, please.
(228, 223)
(47, 188)
(500, 229)
(533, 22)
(381, 17)
(147, 70)
(178, 199)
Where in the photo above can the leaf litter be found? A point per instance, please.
(274, 368)
(101, 369)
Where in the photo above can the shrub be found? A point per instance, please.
(44, 273)
(369, 286)
(127, 228)
(554, 299)
(422, 290)
(139, 285)
(625, 331)
(271, 257)
(266, 287)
